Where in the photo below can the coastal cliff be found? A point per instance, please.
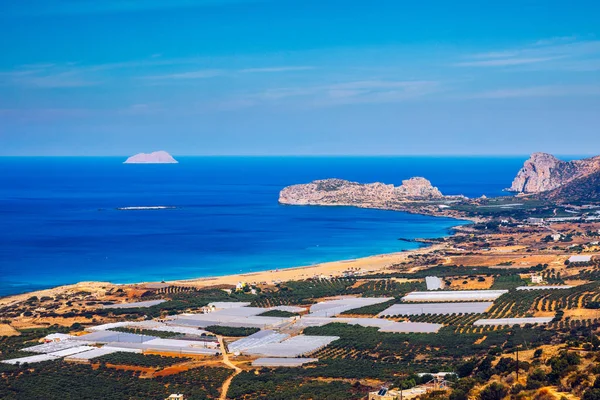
(543, 172)
(157, 157)
(548, 178)
(343, 192)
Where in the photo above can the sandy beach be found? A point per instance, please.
(376, 263)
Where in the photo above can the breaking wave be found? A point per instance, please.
(137, 208)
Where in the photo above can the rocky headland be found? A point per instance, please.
(156, 157)
(543, 172)
(343, 192)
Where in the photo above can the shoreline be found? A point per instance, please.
(364, 265)
(375, 263)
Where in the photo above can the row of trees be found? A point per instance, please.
(140, 360)
(57, 380)
(387, 288)
(576, 297)
(231, 331)
(457, 270)
(277, 385)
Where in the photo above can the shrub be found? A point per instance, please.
(493, 391)
(591, 394)
(536, 379)
(544, 394)
(516, 389)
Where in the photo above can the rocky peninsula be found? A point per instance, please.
(343, 192)
(156, 157)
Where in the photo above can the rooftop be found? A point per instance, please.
(576, 259)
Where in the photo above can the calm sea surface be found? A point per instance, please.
(61, 223)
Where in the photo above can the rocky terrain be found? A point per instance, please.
(156, 157)
(585, 188)
(543, 172)
(343, 192)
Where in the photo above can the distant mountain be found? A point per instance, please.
(157, 157)
(543, 172)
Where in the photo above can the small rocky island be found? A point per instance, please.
(343, 192)
(156, 157)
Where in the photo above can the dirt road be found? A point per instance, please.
(227, 362)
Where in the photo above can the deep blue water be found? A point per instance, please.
(60, 222)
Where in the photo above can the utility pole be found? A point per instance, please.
(517, 364)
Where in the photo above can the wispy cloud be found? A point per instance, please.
(327, 95)
(589, 65)
(556, 40)
(141, 109)
(46, 77)
(366, 91)
(200, 74)
(277, 69)
(72, 74)
(501, 62)
(551, 51)
(211, 73)
(40, 114)
(45, 114)
(78, 7)
(540, 91)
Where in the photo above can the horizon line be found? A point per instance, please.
(300, 155)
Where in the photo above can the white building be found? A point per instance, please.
(535, 278)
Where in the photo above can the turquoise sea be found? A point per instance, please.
(61, 221)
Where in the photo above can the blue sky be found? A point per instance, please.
(217, 77)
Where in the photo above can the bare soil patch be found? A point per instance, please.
(7, 330)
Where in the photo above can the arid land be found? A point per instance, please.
(504, 248)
